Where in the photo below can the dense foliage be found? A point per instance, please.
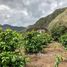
(10, 59)
(34, 41)
(58, 26)
(57, 31)
(63, 40)
(9, 42)
(46, 38)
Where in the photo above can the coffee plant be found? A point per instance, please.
(63, 40)
(34, 41)
(46, 38)
(56, 32)
(10, 59)
(10, 41)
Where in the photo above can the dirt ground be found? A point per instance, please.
(47, 58)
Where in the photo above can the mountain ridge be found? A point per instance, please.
(60, 20)
(16, 28)
(43, 22)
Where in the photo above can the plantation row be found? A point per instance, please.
(32, 42)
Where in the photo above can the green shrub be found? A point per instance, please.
(10, 40)
(9, 59)
(34, 41)
(63, 40)
(46, 38)
(57, 31)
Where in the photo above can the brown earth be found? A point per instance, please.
(47, 58)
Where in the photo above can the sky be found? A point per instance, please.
(27, 12)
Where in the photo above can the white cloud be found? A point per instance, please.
(53, 6)
(12, 16)
(25, 12)
(3, 7)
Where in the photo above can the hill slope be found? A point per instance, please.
(60, 20)
(43, 22)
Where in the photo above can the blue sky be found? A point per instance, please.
(27, 12)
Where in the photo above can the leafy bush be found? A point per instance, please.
(9, 59)
(34, 41)
(10, 40)
(46, 38)
(63, 40)
(57, 31)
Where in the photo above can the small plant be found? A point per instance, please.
(59, 59)
(63, 40)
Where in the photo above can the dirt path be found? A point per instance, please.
(47, 59)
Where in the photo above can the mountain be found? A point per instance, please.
(60, 20)
(19, 29)
(43, 23)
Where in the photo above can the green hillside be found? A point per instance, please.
(43, 22)
(60, 20)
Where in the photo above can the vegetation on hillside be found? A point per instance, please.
(43, 23)
(58, 26)
(58, 31)
(63, 40)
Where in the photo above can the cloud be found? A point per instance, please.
(26, 12)
(3, 7)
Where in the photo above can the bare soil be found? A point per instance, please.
(47, 58)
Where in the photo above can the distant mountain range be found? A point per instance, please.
(19, 29)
